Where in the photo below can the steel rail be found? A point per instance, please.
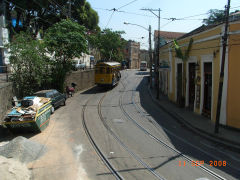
(162, 142)
(170, 132)
(100, 154)
(123, 145)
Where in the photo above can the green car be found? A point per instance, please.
(57, 98)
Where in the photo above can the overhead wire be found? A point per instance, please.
(109, 19)
(114, 9)
(127, 4)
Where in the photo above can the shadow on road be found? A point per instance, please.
(142, 73)
(169, 126)
(96, 90)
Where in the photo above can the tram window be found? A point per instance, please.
(102, 70)
(97, 70)
(108, 71)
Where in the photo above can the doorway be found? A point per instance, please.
(191, 89)
(179, 84)
(207, 98)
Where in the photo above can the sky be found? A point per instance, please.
(191, 13)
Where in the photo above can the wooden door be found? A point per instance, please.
(191, 88)
(179, 83)
(207, 99)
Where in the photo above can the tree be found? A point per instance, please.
(184, 56)
(109, 43)
(215, 17)
(36, 15)
(85, 15)
(65, 40)
(29, 64)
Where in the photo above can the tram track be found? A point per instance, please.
(135, 156)
(98, 150)
(143, 114)
(95, 146)
(188, 159)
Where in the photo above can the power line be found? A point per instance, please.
(114, 9)
(166, 24)
(109, 19)
(127, 4)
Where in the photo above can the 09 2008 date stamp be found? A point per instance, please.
(201, 162)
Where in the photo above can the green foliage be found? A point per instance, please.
(36, 15)
(110, 44)
(29, 64)
(65, 40)
(184, 56)
(179, 53)
(85, 15)
(215, 17)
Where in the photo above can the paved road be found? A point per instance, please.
(138, 139)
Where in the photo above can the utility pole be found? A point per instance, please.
(158, 51)
(220, 87)
(150, 54)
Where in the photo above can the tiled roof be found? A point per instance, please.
(198, 30)
(168, 34)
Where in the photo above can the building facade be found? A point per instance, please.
(132, 54)
(194, 83)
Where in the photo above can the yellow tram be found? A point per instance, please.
(107, 73)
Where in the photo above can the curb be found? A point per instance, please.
(225, 142)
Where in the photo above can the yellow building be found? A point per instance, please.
(194, 83)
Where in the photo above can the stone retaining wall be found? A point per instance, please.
(83, 79)
(6, 94)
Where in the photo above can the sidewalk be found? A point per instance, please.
(197, 123)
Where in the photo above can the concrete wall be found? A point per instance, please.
(6, 94)
(83, 79)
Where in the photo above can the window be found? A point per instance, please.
(108, 70)
(102, 70)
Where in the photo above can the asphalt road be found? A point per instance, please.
(139, 140)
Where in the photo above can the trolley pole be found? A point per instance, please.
(220, 87)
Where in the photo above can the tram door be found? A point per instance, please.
(207, 100)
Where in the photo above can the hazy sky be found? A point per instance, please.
(182, 9)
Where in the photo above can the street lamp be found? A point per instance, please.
(150, 47)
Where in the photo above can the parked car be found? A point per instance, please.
(57, 98)
(78, 64)
(81, 66)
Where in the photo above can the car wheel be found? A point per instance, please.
(52, 110)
